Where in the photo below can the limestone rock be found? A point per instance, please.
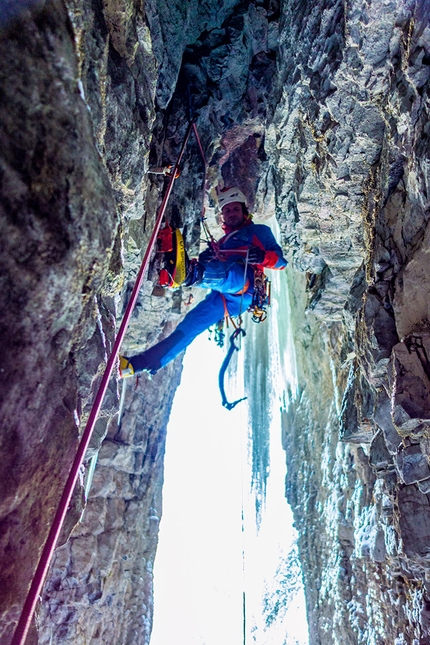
(376, 335)
(411, 384)
(412, 464)
(414, 521)
(379, 456)
(321, 110)
(411, 295)
(383, 418)
(357, 409)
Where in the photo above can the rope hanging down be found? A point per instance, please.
(223, 369)
(29, 607)
(236, 334)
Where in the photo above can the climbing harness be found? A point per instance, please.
(219, 334)
(258, 309)
(233, 347)
(261, 298)
(27, 613)
(237, 332)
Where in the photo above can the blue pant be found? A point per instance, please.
(226, 278)
(206, 313)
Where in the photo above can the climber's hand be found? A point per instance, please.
(213, 252)
(256, 255)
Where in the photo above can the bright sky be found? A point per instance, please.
(199, 577)
(198, 569)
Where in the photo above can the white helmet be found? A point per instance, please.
(229, 195)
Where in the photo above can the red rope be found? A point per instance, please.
(200, 144)
(204, 179)
(24, 622)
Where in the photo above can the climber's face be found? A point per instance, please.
(232, 214)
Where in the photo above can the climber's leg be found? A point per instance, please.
(205, 314)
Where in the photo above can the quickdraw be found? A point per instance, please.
(167, 171)
(219, 333)
(233, 347)
(260, 297)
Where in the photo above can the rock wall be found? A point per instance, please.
(319, 110)
(351, 171)
(58, 224)
(77, 107)
(91, 99)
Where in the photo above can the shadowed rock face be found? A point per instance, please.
(58, 224)
(320, 111)
(364, 163)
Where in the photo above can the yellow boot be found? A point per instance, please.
(125, 367)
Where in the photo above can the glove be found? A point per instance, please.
(256, 255)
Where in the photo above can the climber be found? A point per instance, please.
(221, 268)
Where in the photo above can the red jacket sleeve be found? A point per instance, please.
(264, 238)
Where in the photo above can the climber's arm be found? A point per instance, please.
(273, 258)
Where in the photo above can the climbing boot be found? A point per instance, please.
(125, 367)
(153, 359)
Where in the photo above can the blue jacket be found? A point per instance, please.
(231, 291)
(227, 280)
(251, 234)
